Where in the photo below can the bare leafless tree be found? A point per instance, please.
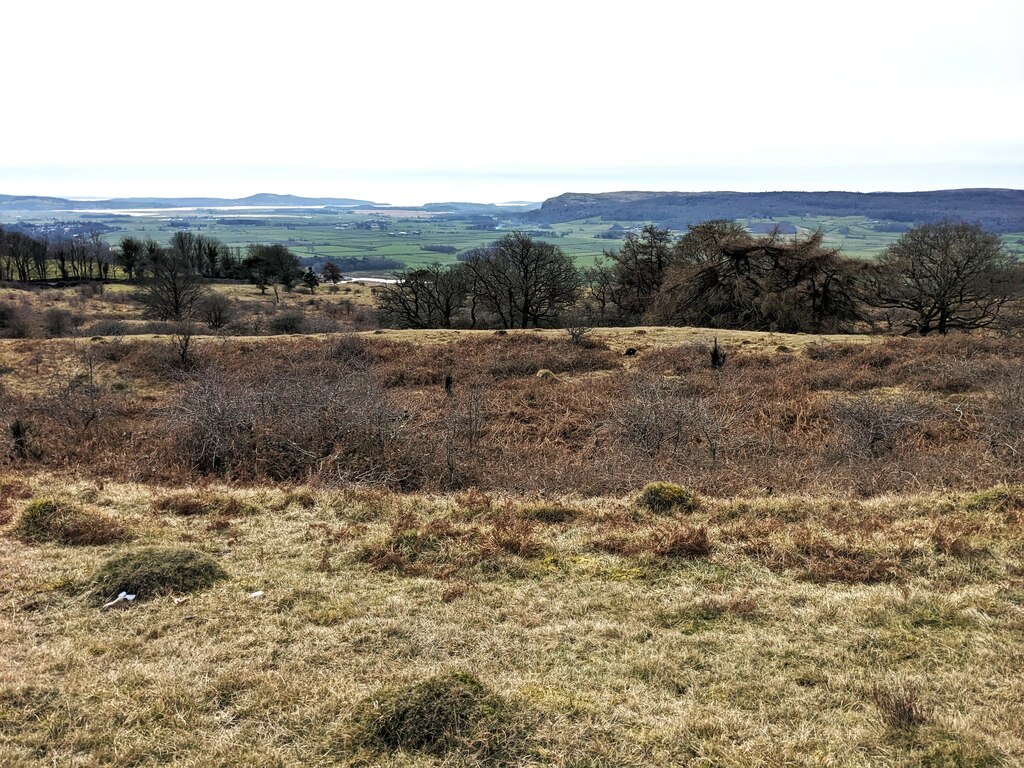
(943, 277)
(523, 281)
(426, 297)
(172, 290)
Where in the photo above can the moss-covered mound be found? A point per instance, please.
(449, 712)
(663, 498)
(155, 571)
(63, 522)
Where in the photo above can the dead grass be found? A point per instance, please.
(663, 498)
(578, 655)
(189, 503)
(842, 417)
(900, 706)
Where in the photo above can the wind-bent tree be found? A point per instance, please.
(943, 277)
(523, 281)
(267, 265)
(727, 278)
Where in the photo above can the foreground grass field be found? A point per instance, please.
(789, 630)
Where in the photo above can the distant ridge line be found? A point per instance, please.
(1001, 210)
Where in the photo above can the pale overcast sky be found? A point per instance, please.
(407, 102)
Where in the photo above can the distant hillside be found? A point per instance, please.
(1000, 210)
(475, 208)
(34, 203)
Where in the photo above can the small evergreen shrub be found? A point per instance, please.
(288, 322)
(61, 522)
(663, 498)
(154, 571)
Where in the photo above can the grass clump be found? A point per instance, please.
(194, 504)
(682, 541)
(154, 571)
(691, 619)
(61, 522)
(900, 707)
(549, 513)
(669, 542)
(449, 712)
(827, 563)
(412, 547)
(998, 500)
(436, 548)
(664, 498)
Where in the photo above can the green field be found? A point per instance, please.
(320, 236)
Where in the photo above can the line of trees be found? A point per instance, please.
(936, 278)
(24, 258)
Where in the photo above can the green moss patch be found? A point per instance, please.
(154, 571)
(450, 712)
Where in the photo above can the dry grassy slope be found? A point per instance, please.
(95, 312)
(29, 365)
(651, 337)
(787, 644)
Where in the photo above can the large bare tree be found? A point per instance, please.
(428, 297)
(523, 282)
(173, 289)
(942, 277)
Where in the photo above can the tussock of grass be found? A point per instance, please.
(999, 500)
(187, 504)
(664, 498)
(410, 546)
(449, 712)
(551, 513)
(828, 563)
(154, 571)
(667, 541)
(436, 547)
(900, 706)
(63, 522)
(684, 541)
(303, 499)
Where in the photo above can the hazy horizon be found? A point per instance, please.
(454, 100)
(498, 187)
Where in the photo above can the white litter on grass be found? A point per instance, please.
(123, 600)
(256, 595)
